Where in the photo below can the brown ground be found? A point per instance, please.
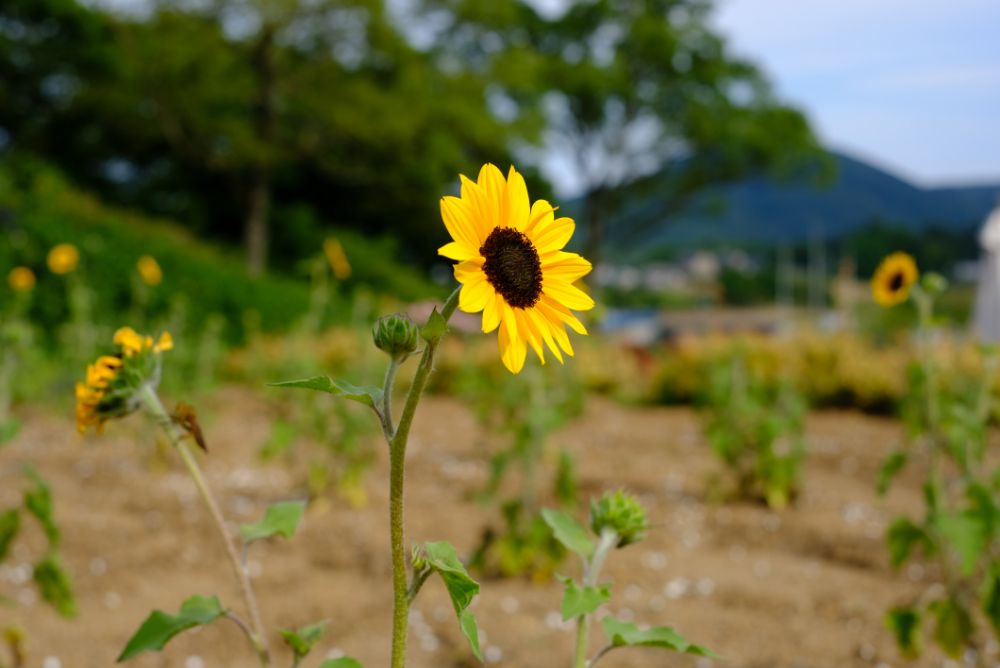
(802, 587)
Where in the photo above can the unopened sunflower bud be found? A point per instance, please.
(621, 513)
(396, 335)
(935, 284)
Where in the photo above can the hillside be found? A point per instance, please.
(758, 210)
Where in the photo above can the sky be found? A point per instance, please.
(910, 85)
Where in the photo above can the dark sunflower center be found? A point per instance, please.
(896, 281)
(512, 266)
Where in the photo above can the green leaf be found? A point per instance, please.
(8, 430)
(38, 501)
(55, 585)
(579, 600)
(160, 627)
(303, 640)
(280, 519)
(954, 626)
(965, 535)
(903, 535)
(345, 662)
(569, 532)
(891, 467)
(905, 625)
(369, 396)
(10, 523)
(624, 634)
(991, 598)
(435, 328)
(442, 558)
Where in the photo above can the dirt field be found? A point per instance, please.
(803, 587)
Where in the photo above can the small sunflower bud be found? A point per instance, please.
(935, 284)
(621, 513)
(396, 335)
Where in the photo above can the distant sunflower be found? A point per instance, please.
(512, 267)
(893, 279)
(63, 258)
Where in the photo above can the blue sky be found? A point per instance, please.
(912, 85)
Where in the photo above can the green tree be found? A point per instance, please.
(625, 88)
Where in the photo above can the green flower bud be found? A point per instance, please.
(396, 335)
(935, 284)
(621, 513)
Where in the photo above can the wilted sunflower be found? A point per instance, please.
(893, 279)
(512, 267)
(113, 380)
(63, 258)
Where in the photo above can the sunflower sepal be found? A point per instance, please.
(435, 328)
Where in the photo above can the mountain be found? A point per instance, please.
(762, 211)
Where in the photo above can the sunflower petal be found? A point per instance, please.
(512, 349)
(559, 314)
(542, 215)
(493, 188)
(461, 226)
(544, 327)
(555, 236)
(568, 295)
(518, 205)
(491, 313)
(528, 330)
(469, 271)
(566, 267)
(474, 295)
(455, 250)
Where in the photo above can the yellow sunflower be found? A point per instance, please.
(893, 279)
(149, 270)
(512, 266)
(63, 258)
(21, 279)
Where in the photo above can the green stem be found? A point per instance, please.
(390, 380)
(592, 571)
(397, 463)
(176, 435)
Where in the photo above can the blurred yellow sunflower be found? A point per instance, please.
(63, 258)
(21, 279)
(512, 266)
(892, 280)
(337, 259)
(149, 270)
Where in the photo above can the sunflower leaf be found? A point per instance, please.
(369, 396)
(624, 634)
(579, 600)
(279, 519)
(343, 662)
(569, 532)
(302, 640)
(38, 502)
(160, 627)
(55, 585)
(10, 523)
(442, 558)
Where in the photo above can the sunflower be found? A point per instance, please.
(113, 380)
(149, 270)
(21, 279)
(512, 267)
(893, 279)
(63, 258)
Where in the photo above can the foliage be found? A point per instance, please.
(756, 431)
(523, 410)
(617, 520)
(624, 88)
(48, 572)
(960, 523)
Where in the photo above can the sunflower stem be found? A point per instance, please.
(592, 571)
(397, 464)
(258, 638)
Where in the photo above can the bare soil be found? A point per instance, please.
(803, 587)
